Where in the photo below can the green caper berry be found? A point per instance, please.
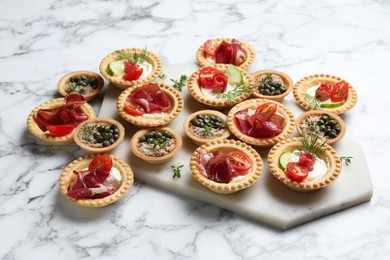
(112, 140)
(266, 92)
(200, 116)
(149, 135)
(142, 139)
(106, 143)
(277, 92)
(76, 79)
(157, 134)
(150, 140)
(320, 122)
(91, 80)
(116, 136)
(332, 122)
(336, 128)
(206, 119)
(332, 134)
(97, 135)
(101, 128)
(99, 139)
(322, 128)
(83, 77)
(168, 135)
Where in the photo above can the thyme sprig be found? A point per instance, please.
(346, 159)
(133, 57)
(312, 100)
(238, 91)
(88, 132)
(176, 169)
(207, 129)
(162, 76)
(179, 84)
(311, 146)
(159, 143)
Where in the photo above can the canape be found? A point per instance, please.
(129, 67)
(96, 180)
(226, 166)
(261, 122)
(83, 82)
(325, 92)
(150, 105)
(271, 84)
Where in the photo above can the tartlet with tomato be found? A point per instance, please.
(261, 122)
(54, 121)
(129, 67)
(226, 166)
(325, 92)
(220, 86)
(226, 51)
(150, 105)
(96, 180)
(304, 164)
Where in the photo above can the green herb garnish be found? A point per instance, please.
(238, 91)
(88, 132)
(207, 129)
(309, 98)
(346, 159)
(176, 169)
(72, 87)
(162, 76)
(179, 84)
(133, 57)
(311, 146)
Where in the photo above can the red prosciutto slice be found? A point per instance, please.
(230, 53)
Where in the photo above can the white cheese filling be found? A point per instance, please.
(319, 170)
(210, 59)
(155, 115)
(213, 95)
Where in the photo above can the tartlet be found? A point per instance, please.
(201, 140)
(136, 140)
(318, 113)
(329, 156)
(249, 52)
(67, 176)
(174, 96)
(287, 129)
(65, 80)
(227, 145)
(302, 85)
(152, 58)
(287, 82)
(55, 140)
(196, 92)
(88, 142)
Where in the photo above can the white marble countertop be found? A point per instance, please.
(43, 40)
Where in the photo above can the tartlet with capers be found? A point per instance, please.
(271, 84)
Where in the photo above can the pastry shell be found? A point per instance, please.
(199, 140)
(55, 140)
(154, 159)
(229, 145)
(140, 121)
(67, 176)
(318, 113)
(88, 96)
(196, 92)
(91, 149)
(329, 156)
(287, 81)
(249, 51)
(153, 59)
(313, 80)
(261, 142)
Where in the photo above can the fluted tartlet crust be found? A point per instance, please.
(227, 145)
(288, 128)
(329, 156)
(88, 96)
(140, 121)
(249, 51)
(153, 59)
(67, 176)
(55, 140)
(196, 92)
(307, 82)
(287, 81)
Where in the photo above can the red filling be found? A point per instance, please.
(62, 120)
(230, 53)
(264, 123)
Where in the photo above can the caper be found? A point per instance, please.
(142, 139)
(327, 132)
(266, 92)
(168, 135)
(322, 128)
(97, 135)
(206, 119)
(106, 143)
(116, 136)
(150, 140)
(76, 79)
(200, 116)
(105, 136)
(111, 140)
(91, 80)
(283, 89)
(277, 92)
(101, 128)
(332, 134)
(149, 135)
(336, 128)
(71, 79)
(157, 134)
(332, 122)
(320, 122)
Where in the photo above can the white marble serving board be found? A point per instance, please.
(268, 200)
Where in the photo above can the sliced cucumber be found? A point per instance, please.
(285, 158)
(115, 68)
(331, 105)
(234, 75)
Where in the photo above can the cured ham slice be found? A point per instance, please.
(230, 53)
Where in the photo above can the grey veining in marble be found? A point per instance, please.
(42, 40)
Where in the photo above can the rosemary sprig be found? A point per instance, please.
(311, 99)
(311, 146)
(133, 57)
(162, 76)
(179, 84)
(238, 91)
(312, 124)
(176, 169)
(346, 159)
(207, 129)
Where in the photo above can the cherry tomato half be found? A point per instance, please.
(210, 47)
(267, 109)
(339, 92)
(206, 77)
(101, 162)
(323, 92)
(239, 161)
(132, 71)
(60, 130)
(133, 109)
(296, 172)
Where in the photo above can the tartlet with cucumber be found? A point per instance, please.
(220, 86)
(325, 92)
(132, 66)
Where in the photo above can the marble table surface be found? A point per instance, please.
(40, 41)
